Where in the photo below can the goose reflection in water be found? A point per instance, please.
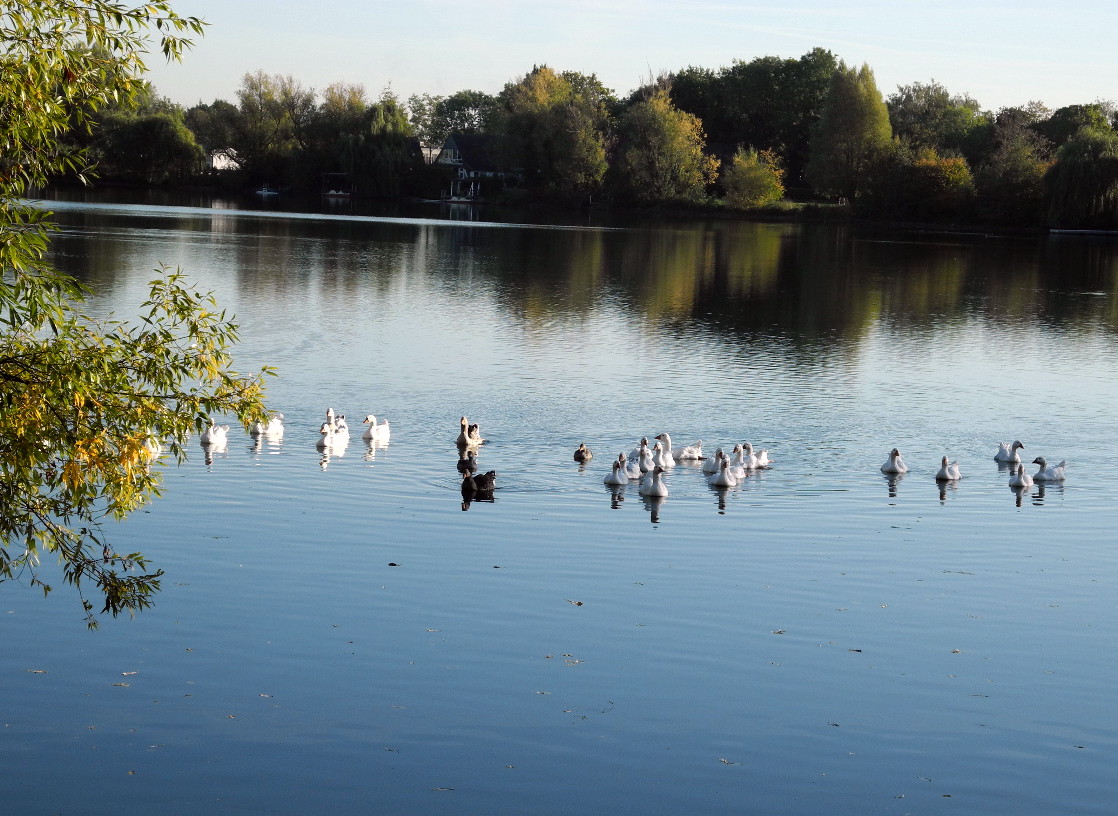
(330, 452)
(722, 493)
(261, 444)
(371, 448)
(944, 486)
(1038, 494)
(893, 480)
(209, 452)
(653, 504)
(616, 493)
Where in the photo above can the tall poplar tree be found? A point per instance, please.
(852, 134)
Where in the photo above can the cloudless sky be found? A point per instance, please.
(1001, 53)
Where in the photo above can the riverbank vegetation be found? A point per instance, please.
(812, 127)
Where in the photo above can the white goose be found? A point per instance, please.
(686, 453)
(153, 447)
(645, 461)
(723, 478)
(1020, 479)
(894, 464)
(749, 459)
(1049, 473)
(760, 458)
(215, 435)
(662, 458)
(1008, 452)
(273, 428)
(712, 464)
(739, 466)
(635, 453)
(331, 438)
(948, 471)
(376, 432)
(631, 469)
(616, 476)
(654, 485)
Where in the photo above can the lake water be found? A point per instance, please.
(342, 635)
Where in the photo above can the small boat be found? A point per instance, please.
(267, 191)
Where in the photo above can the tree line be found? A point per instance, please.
(751, 135)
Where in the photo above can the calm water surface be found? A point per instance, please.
(341, 635)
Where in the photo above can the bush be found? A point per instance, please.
(753, 179)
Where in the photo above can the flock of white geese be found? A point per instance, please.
(645, 464)
(333, 434)
(1007, 454)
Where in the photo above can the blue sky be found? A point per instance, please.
(1001, 53)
